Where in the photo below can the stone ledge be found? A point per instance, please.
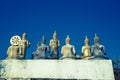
(59, 69)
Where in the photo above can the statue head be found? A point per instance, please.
(43, 40)
(67, 39)
(24, 36)
(55, 35)
(96, 39)
(86, 41)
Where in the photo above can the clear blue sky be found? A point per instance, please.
(76, 18)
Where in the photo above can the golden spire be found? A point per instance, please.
(67, 39)
(24, 36)
(86, 40)
(54, 33)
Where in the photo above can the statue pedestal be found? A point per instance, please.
(58, 69)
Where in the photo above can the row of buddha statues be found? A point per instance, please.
(18, 48)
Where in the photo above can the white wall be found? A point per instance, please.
(66, 69)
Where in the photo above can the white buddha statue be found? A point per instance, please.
(68, 50)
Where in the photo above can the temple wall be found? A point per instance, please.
(60, 69)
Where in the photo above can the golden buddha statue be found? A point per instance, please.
(54, 45)
(86, 49)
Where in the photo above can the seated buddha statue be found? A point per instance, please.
(98, 50)
(68, 50)
(86, 49)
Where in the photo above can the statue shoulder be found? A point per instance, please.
(51, 39)
(63, 46)
(102, 45)
(83, 47)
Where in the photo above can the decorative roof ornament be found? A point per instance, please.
(55, 33)
(67, 38)
(86, 39)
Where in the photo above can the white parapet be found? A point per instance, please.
(59, 69)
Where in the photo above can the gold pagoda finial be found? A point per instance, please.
(86, 40)
(67, 38)
(24, 36)
(55, 33)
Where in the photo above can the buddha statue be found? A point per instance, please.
(41, 50)
(17, 50)
(98, 50)
(68, 50)
(86, 50)
(24, 44)
(14, 50)
(54, 45)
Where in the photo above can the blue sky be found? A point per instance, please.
(76, 18)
